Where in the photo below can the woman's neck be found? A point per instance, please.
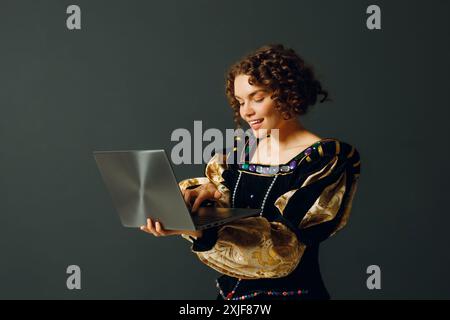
(288, 135)
(282, 143)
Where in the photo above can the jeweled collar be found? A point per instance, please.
(285, 168)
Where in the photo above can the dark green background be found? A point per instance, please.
(140, 69)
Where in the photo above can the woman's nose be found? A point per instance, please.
(247, 109)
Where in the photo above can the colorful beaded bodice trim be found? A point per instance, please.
(288, 167)
(254, 294)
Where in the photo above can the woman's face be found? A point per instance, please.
(256, 106)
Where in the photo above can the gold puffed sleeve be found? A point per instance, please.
(335, 185)
(253, 247)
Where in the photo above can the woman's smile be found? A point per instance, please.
(255, 124)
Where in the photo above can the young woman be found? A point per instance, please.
(304, 185)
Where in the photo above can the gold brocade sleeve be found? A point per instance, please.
(334, 203)
(253, 248)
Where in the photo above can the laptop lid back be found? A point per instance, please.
(142, 184)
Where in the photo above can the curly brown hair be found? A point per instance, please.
(280, 70)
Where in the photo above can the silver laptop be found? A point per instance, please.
(142, 185)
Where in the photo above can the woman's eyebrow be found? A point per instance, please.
(251, 94)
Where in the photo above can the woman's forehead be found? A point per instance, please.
(242, 88)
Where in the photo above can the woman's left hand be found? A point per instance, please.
(157, 229)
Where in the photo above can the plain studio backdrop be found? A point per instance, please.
(137, 70)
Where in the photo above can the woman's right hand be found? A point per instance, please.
(204, 192)
(157, 229)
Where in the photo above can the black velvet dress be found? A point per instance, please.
(276, 255)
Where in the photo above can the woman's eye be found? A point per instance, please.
(259, 100)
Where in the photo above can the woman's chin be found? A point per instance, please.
(260, 133)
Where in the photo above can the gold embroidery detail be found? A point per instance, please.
(338, 147)
(352, 151)
(320, 149)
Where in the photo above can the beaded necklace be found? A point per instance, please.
(231, 293)
(239, 179)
